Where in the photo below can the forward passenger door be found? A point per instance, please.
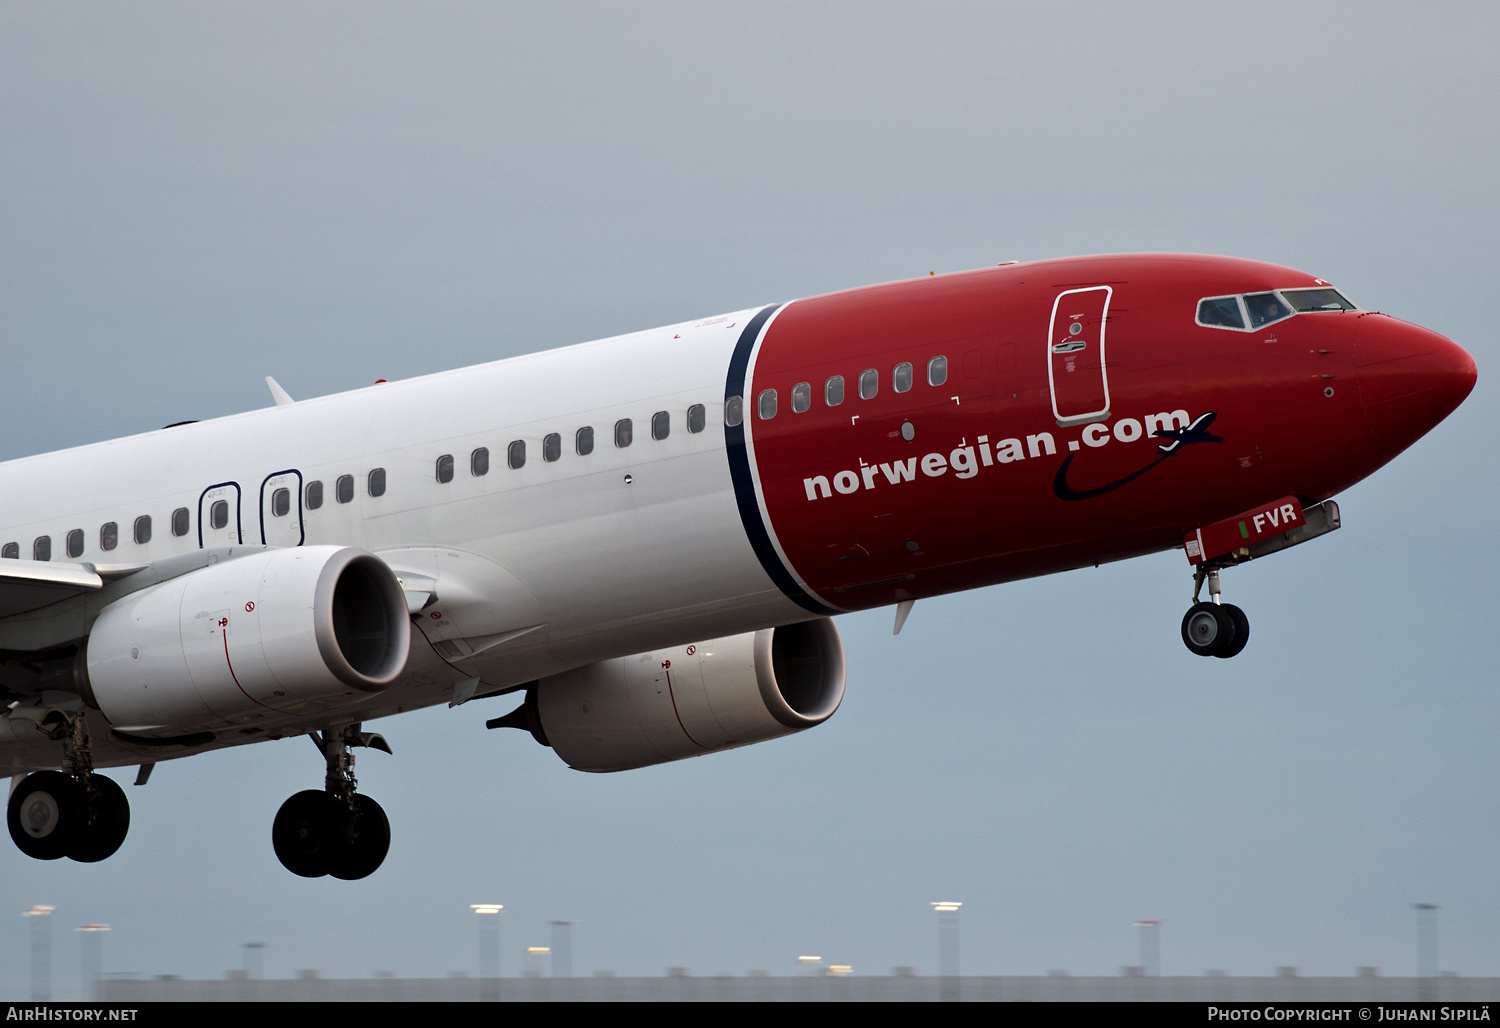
(1075, 356)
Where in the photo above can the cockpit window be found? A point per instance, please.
(1221, 312)
(1316, 300)
(1265, 308)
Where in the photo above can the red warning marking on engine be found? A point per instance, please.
(249, 606)
(676, 713)
(224, 623)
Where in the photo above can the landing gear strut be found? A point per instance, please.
(76, 814)
(336, 832)
(1215, 628)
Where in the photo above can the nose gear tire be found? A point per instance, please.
(1241, 635)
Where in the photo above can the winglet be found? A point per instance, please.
(277, 393)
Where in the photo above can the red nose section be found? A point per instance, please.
(1409, 378)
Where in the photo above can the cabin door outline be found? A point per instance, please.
(1076, 370)
(286, 528)
(230, 532)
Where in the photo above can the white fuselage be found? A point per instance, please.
(546, 567)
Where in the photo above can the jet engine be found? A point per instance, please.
(272, 635)
(688, 700)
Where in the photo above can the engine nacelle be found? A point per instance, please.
(690, 700)
(259, 638)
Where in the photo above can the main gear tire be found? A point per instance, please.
(44, 814)
(363, 842)
(305, 833)
(105, 823)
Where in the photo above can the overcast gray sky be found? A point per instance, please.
(195, 196)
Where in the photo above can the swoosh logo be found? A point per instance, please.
(1178, 438)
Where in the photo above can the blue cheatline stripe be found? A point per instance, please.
(744, 483)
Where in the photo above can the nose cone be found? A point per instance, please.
(1409, 378)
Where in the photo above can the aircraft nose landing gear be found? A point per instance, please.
(1213, 629)
(336, 832)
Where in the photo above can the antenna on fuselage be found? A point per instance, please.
(278, 394)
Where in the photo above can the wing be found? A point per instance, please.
(29, 584)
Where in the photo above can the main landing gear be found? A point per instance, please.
(1213, 629)
(336, 832)
(76, 814)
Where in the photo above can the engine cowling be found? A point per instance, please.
(689, 700)
(263, 637)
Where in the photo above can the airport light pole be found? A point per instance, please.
(562, 949)
(1427, 949)
(41, 950)
(91, 957)
(255, 960)
(489, 948)
(948, 964)
(1150, 929)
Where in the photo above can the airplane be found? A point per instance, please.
(645, 538)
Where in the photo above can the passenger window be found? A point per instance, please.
(109, 536)
(583, 442)
(1265, 308)
(376, 482)
(869, 384)
(1220, 312)
(10, 551)
(901, 378)
(218, 514)
(143, 529)
(833, 391)
(312, 496)
(801, 397)
(515, 454)
(343, 491)
(551, 447)
(697, 418)
(765, 404)
(445, 468)
(661, 425)
(42, 548)
(281, 503)
(75, 543)
(623, 433)
(937, 371)
(734, 411)
(479, 462)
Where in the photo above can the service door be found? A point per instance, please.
(281, 509)
(219, 516)
(1075, 356)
